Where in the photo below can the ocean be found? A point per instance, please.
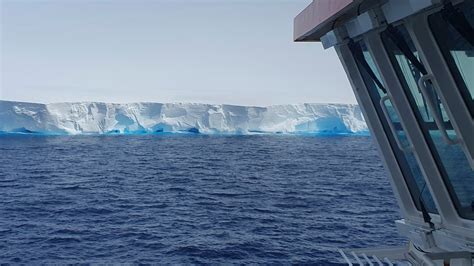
(191, 199)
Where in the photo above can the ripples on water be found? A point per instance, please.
(191, 199)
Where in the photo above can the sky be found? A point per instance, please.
(209, 51)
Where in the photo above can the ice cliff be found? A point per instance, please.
(148, 118)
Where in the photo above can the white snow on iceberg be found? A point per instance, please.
(149, 118)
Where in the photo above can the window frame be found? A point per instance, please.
(423, 124)
(448, 214)
(454, 70)
(430, 53)
(373, 119)
(400, 152)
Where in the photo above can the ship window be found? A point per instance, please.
(454, 33)
(452, 163)
(406, 160)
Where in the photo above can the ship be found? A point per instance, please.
(411, 66)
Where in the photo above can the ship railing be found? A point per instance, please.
(404, 256)
(379, 256)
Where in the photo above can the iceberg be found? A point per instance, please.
(193, 118)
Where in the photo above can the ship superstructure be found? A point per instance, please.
(411, 67)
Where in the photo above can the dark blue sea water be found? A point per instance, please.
(191, 199)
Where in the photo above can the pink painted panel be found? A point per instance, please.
(316, 14)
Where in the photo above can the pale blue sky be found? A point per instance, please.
(211, 51)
